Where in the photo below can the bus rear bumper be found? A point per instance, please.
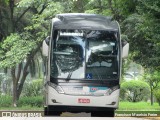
(75, 109)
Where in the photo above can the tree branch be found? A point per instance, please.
(13, 75)
(22, 15)
(43, 8)
(25, 73)
(110, 6)
(11, 5)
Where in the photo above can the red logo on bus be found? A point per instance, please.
(83, 100)
(94, 89)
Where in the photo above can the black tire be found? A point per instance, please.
(109, 113)
(50, 112)
(45, 111)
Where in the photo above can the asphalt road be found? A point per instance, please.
(83, 114)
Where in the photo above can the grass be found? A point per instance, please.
(24, 103)
(144, 106)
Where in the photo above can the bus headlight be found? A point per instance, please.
(111, 90)
(56, 87)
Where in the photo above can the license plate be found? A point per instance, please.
(83, 100)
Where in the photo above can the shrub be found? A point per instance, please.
(134, 90)
(157, 95)
(5, 101)
(33, 88)
(31, 101)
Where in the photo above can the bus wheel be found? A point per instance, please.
(102, 113)
(45, 111)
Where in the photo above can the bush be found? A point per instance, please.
(157, 95)
(134, 90)
(33, 88)
(32, 101)
(5, 101)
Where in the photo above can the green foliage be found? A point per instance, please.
(153, 79)
(24, 30)
(29, 25)
(32, 101)
(5, 82)
(157, 95)
(38, 4)
(16, 48)
(33, 88)
(143, 28)
(5, 101)
(134, 90)
(98, 7)
(138, 106)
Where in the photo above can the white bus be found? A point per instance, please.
(83, 64)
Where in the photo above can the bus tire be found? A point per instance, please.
(109, 113)
(45, 111)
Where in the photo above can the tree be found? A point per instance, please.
(24, 40)
(25, 23)
(153, 79)
(12, 24)
(157, 95)
(142, 29)
(15, 56)
(134, 90)
(3, 18)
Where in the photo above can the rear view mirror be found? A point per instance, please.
(125, 49)
(45, 46)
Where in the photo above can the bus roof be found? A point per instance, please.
(84, 21)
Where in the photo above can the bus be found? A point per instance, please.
(83, 61)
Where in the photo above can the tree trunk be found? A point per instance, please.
(134, 97)
(11, 5)
(15, 83)
(23, 78)
(15, 97)
(17, 88)
(100, 6)
(39, 69)
(151, 96)
(111, 6)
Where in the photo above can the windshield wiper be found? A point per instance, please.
(69, 76)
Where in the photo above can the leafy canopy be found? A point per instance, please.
(17, 48)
